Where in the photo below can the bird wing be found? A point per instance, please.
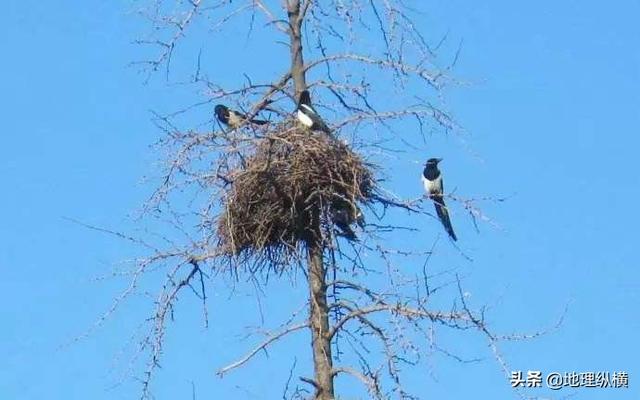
(346, 231)
(321, 126)
(312, 114)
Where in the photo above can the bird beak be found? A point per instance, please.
(440, 159)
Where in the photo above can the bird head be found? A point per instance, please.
(221, 111)
(433, 161)
(304, 98)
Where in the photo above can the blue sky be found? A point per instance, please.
(550, 108)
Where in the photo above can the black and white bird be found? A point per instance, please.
(343, 215)
(434, 187)
(232, 118)
(308, 116)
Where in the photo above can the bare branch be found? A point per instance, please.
(262, 346)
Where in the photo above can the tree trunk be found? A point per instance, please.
(318, 309)
(319, 318)
(295, 39)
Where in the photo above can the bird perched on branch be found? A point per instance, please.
(308, 116)
(232, 118)
(343, 215)
(433, 185)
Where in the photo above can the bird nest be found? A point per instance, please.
(289, 191)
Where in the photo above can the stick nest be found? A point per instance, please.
(289, 191)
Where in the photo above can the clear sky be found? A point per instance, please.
(550, 107)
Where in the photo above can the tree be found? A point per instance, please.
(327, 55)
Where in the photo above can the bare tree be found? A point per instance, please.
(263, 199)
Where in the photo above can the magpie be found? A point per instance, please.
(432, 181)
(343, 216)
(308, 116)
(232, 118)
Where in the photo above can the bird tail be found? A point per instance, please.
(259, 121)
(443, 214)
